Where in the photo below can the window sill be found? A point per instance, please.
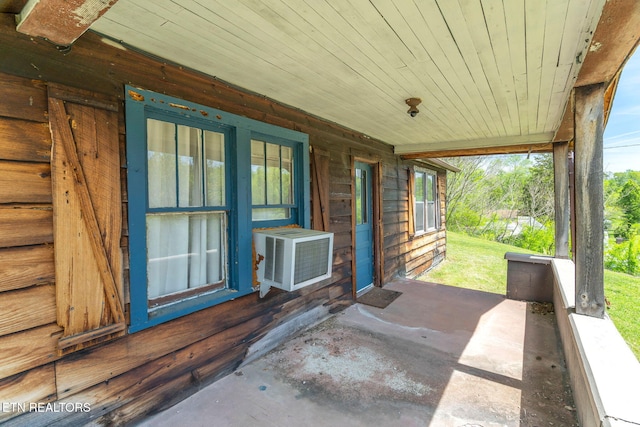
(187, 306)
(426, 232)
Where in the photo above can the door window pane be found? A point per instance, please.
(361, 197)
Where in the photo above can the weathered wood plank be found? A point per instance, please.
(87, 229)
(69, 344)
(59, 21)
(23, 98)
(416, 264)
(80, 371)
(164, 396)
(26, 350)
(35, 385)
(84, 97)
(24, 267)
(482, 151)
(589, 194)
(150, 386)
(25, 182)
(320, 160)
(24, 140)
(619, 17)
(25, 225)
(27, 308)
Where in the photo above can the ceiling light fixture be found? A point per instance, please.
(413, 106)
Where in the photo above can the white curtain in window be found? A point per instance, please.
(161, 158)
(190, 173)
(185, 251)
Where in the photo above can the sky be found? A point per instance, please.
(622, 134)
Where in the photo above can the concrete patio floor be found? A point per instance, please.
(436, 356)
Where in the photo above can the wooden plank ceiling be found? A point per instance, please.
(490, 73)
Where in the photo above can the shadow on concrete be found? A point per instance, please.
(437, 356)
(546, 391)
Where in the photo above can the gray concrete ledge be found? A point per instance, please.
(529, 277)
(605, 374)
(529, 258)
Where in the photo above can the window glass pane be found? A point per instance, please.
(189, 166)
(184, 252)
(431, 198)
(272, 177)
(274, 184)
(215, 168)
(258, 195)
(358, 200)
(419, 212)
(161, 169)
(287, 174)
(419, 184)
(364, 196)
(431, 215)
(265, 214)
(430, 188)
(362, 214)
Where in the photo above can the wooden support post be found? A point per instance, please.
(561, 191)
(589, 195)
(572, 201)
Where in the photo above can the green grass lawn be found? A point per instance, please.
(479, 264)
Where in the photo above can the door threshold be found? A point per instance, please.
(364, 290)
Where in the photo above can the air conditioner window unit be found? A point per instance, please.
(292, 258)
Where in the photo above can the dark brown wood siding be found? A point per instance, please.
(131, 375)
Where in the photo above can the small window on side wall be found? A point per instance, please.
(425, 201)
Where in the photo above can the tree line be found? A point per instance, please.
(510, 199)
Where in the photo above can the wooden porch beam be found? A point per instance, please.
(589, 199)
(60, 21)
(504, 149)
(613, 42)
(561, 197)
(615, 38)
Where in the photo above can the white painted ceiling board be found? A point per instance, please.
(488, 71)
(448, 70)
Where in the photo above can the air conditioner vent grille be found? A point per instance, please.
(270, 259)
(292, 258)
(280, 265)
(311, 259)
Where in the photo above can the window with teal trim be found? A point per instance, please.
(272, 181)
(426, 201)
(199, 181)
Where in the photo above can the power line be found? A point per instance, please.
(623, 146)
